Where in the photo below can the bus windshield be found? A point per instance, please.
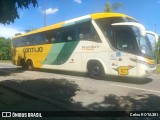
(127, 37)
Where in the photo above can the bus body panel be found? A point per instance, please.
(83, 52)
(35, 53)
(75, 55)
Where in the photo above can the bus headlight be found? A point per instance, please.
(148, 64)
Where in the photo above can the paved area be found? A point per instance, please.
(80, 92)
(14, 101)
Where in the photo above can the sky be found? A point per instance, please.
(145, 11)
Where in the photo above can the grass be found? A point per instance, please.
(157, 71)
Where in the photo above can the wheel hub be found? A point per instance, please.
(96, 70)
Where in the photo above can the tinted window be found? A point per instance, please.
(68, 34)
(86, 31)
(37, 39)
(29, 40)
(81, 31)
(51, 37)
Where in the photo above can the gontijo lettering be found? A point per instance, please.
(39, 49)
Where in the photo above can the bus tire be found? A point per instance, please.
(95, 70)
(30, 65)
(23, 64)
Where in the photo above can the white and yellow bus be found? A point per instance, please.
(99, 44)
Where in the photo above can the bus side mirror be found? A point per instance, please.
(153, 38)
(153, 35)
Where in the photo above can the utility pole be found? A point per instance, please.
(44, 13)
(155, 28)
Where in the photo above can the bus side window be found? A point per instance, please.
(87, 32)
(53, 40)
(16, 42)
(68, 34)
(28, 43)
(83, 31)
(38, 39)
(47, 37)
(29, 40)
(63, 36)
(34, 42)
(53, 37)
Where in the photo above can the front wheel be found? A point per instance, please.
(96, 71)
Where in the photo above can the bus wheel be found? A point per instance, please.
(23, 64)
(30, 65)
(95, 70)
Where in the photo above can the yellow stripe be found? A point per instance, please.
(150, 61)
(105, 15)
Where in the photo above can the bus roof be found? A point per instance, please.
(74, 21)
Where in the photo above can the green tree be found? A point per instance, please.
(5, 51)
(9, 9)
(112, 7)
(157, 51)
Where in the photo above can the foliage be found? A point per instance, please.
(5, 52)
(112, 7)
(157, 51)
(157, 71)
(9, 11)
